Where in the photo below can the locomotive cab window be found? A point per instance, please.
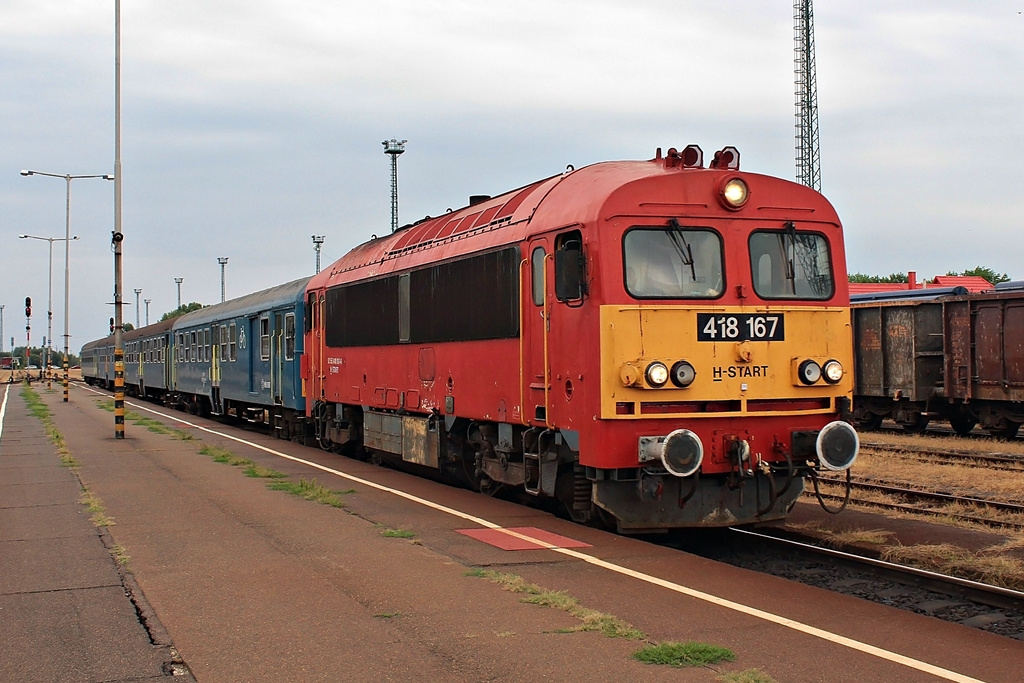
(673, 263)
(570, 267)
(791, 264)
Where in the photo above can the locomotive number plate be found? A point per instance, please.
(741, 327)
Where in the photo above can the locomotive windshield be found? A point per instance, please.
(674, 263)
(791, 264)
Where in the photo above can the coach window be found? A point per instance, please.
(233, 342)
(537, 275)
(193, 347)
(224, 342)
(264, 338)
(791, 264)
(289, 336)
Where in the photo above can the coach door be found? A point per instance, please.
(277, 359)
(533, 335)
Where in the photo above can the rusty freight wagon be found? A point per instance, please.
(941, 355)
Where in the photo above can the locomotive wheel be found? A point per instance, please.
(962, 424)
(869, 422)
(917, 426)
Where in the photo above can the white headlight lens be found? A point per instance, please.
(833, 371)
(735, 193)
(809, 371)
(656, 374)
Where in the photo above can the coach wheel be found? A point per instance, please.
(962, 424)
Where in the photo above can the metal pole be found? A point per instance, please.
(178, 281)
(67, 282)
(223, 261)
(49, 320)
(118, 236)
(2, 307)
(137, 307)
(147, 310)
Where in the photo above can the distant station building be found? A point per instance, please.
(972, 283)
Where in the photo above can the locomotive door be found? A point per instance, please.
(536, 309)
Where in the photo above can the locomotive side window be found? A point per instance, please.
(403, 307)
(791, 264)
(673, 263)
(537, 275)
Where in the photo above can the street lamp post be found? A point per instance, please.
(137, 312)
(67, 254)
(178, 281)
(147, 301)
(48, 365)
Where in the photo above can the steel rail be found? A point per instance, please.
(976, 591)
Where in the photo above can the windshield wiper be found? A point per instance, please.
(682, 247)
(790, 232)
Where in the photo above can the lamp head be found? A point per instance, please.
(26, 173)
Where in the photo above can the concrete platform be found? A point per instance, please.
(253, 584)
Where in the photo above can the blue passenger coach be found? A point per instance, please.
(241, 358)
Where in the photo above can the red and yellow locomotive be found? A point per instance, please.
(655, 344)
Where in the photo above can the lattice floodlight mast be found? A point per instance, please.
(318, 241)
(223, 261)
(393, 148)
(808, 155)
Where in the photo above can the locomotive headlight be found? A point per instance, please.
(809, 372)
(734, 193)
(833, 371)
(656, 374)
(683, 374)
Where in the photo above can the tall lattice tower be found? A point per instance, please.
(393, 148)
(808, 154)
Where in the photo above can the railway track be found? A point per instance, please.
(928, 503)
(964, 589)
(1009, 462)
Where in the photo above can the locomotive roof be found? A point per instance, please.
(253, 303)
(576, 197)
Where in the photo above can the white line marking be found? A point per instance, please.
(597, 562)
(3, 409)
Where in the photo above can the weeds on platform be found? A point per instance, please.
(94, 505)
(309, 489)
(747, 676)
(149, 423)
(397, 534)
(42, 412)
(684, 654)
(120, 556)
(590, 620)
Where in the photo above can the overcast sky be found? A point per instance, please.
(250, 125)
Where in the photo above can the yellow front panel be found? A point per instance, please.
(727, 370)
